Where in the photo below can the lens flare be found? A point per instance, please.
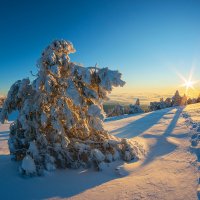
(187, 83)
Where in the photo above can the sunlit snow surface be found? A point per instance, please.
(168, 170)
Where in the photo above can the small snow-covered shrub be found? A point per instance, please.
(28, 166)
(60, 122)
(130, 149)
(157, 106)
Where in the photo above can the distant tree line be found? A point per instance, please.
(121, 110)
(176, 100)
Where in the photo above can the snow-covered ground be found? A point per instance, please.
(167, 171)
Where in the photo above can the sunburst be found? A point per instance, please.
(188, 83)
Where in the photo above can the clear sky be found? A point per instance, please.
(147, 41)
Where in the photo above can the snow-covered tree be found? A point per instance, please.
(184, 100)
(176, 99)
(162, 104)
(168, 102)
(60, 122)
(135, 108)
(137, 102)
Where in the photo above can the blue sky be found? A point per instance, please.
(145, 40)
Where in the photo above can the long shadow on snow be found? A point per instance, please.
(4, 135)
(58, 184)
(135, 128)
(162, 146)
(68, 183)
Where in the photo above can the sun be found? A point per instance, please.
(188, 83)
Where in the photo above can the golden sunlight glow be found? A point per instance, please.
(188, 83)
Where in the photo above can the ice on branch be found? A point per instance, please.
(60, 122)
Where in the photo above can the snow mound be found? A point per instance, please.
(28, 166)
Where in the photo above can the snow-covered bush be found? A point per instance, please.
(168, 102)
(155, 106)
(116, 111)
(60, 122)
(160, 105)
(135, 108)
(192, 101)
